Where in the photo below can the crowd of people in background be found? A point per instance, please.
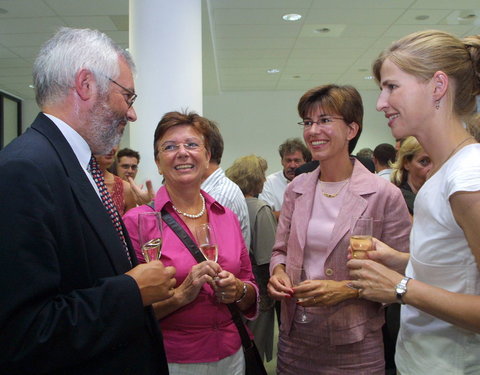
(79, 296)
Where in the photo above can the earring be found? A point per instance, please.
(437, 104)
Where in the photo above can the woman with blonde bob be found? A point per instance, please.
(248, 172)
(429, 81)
(410, 170)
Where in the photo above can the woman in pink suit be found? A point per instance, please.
(343, 334)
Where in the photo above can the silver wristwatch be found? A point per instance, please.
(401, 289)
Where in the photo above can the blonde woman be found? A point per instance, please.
(429, 81)
(410, 170)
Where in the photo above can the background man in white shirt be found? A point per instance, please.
(293, 154)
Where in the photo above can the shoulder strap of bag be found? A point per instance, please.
(197, 254)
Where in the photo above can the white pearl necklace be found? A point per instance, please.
(192, 216)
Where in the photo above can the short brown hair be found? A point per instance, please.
(128, 152)
(215, 141)
(172, 119)
(342, 100)
(248, 172)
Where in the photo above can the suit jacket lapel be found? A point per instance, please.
(85, 193)
(304, 206)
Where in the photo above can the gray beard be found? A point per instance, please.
(104, 133)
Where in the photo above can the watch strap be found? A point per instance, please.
(401, 289)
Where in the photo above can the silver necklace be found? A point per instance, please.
(192, 216)
(333, 195)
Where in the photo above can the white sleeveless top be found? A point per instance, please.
(440, 256)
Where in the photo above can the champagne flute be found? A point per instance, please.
(297, 274)
(150, 235)
(207, 242)
(361, 236)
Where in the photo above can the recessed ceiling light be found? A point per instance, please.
(296, 76)
(422, 17)
(291, 17)
(368, 77)
(322, 30)
(31, 86)
(467, 17)
(273, 71)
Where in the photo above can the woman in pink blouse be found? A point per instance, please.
(343, 333)
(198, 330)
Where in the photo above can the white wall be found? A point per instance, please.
(29, 112)
(258, 122)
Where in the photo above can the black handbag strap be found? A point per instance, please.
(197, 254)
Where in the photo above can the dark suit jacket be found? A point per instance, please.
(66, 306)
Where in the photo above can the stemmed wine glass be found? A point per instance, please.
(361, 236)
(297, 274)
(150, 235)
(207, 242)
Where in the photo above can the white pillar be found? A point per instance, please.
(166, 44)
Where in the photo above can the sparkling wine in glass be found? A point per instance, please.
(297, 275)
(361, 236)
(207, 242)
(150, 235)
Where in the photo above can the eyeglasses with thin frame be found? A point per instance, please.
(130, 97)
(323, 121)
(170, 147)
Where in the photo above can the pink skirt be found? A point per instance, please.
(304, 353)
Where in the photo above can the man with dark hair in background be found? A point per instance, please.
(293, 154)
(383, 155)
(127, 161)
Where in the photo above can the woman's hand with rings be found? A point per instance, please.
(279, 286)
(323, 292)
(200, 274)
(227, 287)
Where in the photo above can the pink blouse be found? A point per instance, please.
(202, 331)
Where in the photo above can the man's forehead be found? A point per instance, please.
(293, 155)
(128, 159)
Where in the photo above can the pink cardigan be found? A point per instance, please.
(203, 330)
(368, 195)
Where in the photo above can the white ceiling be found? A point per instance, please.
(244, 38)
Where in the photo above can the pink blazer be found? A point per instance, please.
(368, 195)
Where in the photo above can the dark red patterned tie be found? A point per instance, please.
(107, 201)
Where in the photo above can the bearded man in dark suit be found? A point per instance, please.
(73, 299)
